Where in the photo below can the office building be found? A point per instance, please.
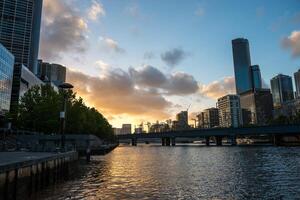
(23, 80)
(117, 131)
(297, 83)
(209, 118)
(182, 120)
(257, 106)
(282, 89)
(287, 109)
(230, 114)
(54, 73)
(6, 76)
(256, 77)
(20, 30)
(242, 63)
(126, 129)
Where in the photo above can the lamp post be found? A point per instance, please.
(62, 115)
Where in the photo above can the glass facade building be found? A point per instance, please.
(6, 75)
(256, 77)
(282, 89)
(242, 63)
(53, 73)
(297, 83)
(20, 22)
(23, 80)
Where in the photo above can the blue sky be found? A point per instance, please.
(122, 32)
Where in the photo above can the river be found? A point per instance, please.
(186, 172)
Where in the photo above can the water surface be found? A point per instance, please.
(186, 172)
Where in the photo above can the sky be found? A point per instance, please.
(143, 61)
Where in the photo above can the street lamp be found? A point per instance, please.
(62, 115)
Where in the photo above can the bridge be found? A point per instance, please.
(276, 133)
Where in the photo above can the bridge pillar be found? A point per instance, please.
(173, 141)
(163, 141)
(218, 140)
(134, 142)
(233, 140)
(207, 138)
(276, 140)
(168, 141)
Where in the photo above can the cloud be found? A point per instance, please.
(116, 94)
(148, 76)
(63, 30)
(96, 10)
(102, 65)
(292, 43)
(218, 88)
(111, 44)
(181, 83)
(173, 57)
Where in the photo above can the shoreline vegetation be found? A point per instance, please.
(39, 109)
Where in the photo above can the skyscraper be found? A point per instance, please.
(282, 89)
(6, 76)
(242, 63)
(20, 30)
(230, 114)
(297, 83)
(256, 77)
(54, 73)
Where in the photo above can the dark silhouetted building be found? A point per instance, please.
(6, 76)
(242, 63)
(126, 129)
(256, 77)
(257, 106)
(182, 120)
(209, 118)
(54, 73)
(20, 30)
(23, 80)
(282, 89)
(230, 114)
(297, 83)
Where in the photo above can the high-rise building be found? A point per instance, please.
(20, 30)
(257, 106)
(23, 80)
(242, 63)
(230, 114)
(209, 118)
(126, 129)
(282, 89)
(297, 83)
(54, 73)
(182, 120)
(256, 77)
(6, 76)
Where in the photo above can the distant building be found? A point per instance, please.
(257, 106)
(20, 30)
(117, 131)
(159, 127)
(242, 63)
(138, 130)
(23, 80)
(282, 89)
(182, 120)
(230, 114)
(256, 77)
(287, 109)
(209, 118)
(54, 73)
(126, 129)
(6, 76)
(297, 83)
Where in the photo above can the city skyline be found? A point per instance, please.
(132, 74)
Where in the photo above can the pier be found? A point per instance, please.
(22, 174)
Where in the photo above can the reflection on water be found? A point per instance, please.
(186, 172)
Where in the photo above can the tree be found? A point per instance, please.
(39, 109)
